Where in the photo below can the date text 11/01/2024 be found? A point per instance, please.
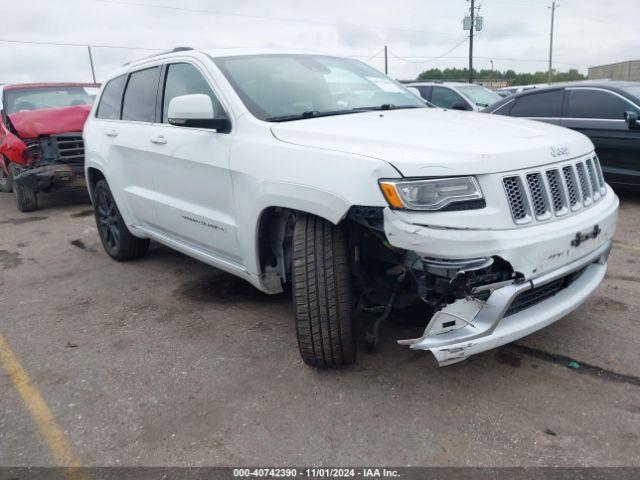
(316, 472)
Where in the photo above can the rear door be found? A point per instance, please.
(545, 106)
(599, 114)
(127, 143)
(123, 116)
(195, 201)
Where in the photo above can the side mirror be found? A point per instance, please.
(459, 106)
(632, 120)
(195, 110)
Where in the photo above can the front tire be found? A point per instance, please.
(322, 293)
(116, 239)
(25, 196)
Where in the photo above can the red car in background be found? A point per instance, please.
(41, 147)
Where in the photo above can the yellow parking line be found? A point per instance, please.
(635, 248)
(53, 435)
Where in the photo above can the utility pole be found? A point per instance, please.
(473, 14)
(386, 61)
(93, 72)
(474, 23)
(553, 14)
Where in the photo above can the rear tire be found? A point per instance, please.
(322, 293)
(25, 196)
(116, 239)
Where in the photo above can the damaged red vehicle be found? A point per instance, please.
(41, 147)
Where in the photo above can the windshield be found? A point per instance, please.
(482, 97)
(634, 91)
(290, 87)
(47, 97)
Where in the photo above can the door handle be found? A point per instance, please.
(111, 133)
(159, 140)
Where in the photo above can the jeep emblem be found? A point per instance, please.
(560, 151)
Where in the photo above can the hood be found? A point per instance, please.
(49, 121)
(433, 142)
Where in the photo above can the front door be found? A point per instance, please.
(194, 202)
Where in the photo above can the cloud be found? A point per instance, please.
(515, 33)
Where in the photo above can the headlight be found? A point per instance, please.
(433, 194)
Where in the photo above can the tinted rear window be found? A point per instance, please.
(543, 104)
(111, 99)
(586, 103)
(504, 109)
(140, 95)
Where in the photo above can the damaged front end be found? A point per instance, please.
(526, 280)
(51, 162)
(498, 313)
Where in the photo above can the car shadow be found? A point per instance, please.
(62, 199)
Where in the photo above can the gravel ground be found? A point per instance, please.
(166, 361)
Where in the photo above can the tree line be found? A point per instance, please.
(510, 76)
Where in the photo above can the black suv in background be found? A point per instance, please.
(606, 112)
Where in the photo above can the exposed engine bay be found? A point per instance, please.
(389, 278)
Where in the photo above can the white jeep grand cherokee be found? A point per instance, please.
(322, 173)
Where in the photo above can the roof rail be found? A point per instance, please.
(176, 49)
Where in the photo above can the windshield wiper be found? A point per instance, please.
(307, 114)
(318, 113)
(384, 106)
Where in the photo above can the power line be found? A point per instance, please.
(267, 17)
(430, 59)
(405, 58)
(372, 56)
(525, 60)
(84, 45)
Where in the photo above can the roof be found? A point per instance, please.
(225, 52)
(233, 52)
(27, 86)
(599, 84)
(605, 84)
(437, 82)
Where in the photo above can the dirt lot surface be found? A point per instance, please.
(166, 361)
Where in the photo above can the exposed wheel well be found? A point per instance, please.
(275, 231)
(274, 243)
(95, 175)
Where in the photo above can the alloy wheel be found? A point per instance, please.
(108, 221)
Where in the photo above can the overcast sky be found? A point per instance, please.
(515, 34)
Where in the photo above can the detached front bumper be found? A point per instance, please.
(494, 326)
(559, 273)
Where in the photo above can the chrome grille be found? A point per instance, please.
(584, 187)
(538, 195)
(570, 182)
(557, 192)
(517, 201)
(593, 180)
(550, 192)
(596, 162)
